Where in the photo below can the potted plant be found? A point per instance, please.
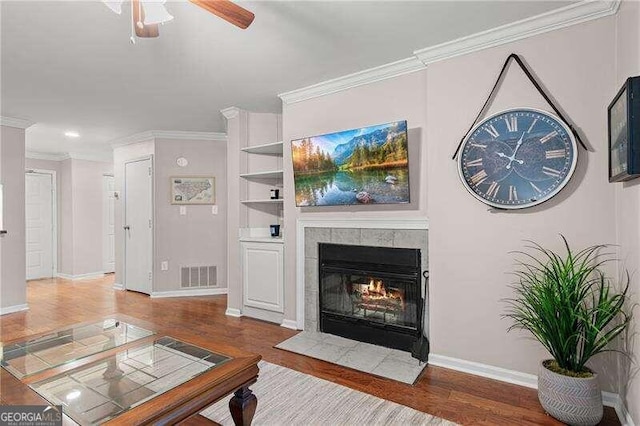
(575, 311)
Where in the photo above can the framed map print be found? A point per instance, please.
(193, 190)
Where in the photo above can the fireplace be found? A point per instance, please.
(371, 294)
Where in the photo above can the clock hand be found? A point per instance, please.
(515, 151)
(513, 158)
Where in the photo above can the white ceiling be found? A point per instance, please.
(68, 65)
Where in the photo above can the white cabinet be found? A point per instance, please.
(262, 275)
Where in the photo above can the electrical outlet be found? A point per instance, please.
(214, 209)
(183, 210)
(164, 265)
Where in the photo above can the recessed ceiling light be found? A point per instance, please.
(72, 134)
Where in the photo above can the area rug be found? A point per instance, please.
(288, 397)
(380, 361)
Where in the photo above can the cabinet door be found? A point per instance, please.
(262, 276)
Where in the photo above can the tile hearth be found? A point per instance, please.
(378, 360)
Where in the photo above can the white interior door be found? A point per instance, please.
(138, 216)
(39, 220)
(108, 215)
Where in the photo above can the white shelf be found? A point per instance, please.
(272, 174)
(272, 240)
(267, 201)
(274, 148)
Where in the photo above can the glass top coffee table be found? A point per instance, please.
(147, 380)
(26, 357)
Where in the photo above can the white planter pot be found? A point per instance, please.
(572, 400)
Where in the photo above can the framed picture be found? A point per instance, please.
(193, 190)
(624, 132)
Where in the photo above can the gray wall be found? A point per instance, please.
(13, 245)
(628, 202)
(196, 239)
(65, 234)
(469, 246)
(80, 215)
(199, 237)
(87, 222)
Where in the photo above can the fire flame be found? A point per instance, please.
(376, 291)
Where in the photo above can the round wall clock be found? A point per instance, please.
(517, 158)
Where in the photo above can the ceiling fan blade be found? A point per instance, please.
(142, 30)
(227, 10)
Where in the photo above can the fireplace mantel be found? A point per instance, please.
(409, 222)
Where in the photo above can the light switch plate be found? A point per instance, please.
(214, 209)
(164, 265)
(183, 210)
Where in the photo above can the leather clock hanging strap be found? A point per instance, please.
(535, 83)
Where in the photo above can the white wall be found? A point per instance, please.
(628, 199)
(468, 245)
(199, 237)
(13, 289)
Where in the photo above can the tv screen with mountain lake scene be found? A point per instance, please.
(359, 166)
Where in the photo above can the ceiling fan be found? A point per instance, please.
(148, 14)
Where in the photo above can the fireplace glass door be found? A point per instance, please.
(379, 298)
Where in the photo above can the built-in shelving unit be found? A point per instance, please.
(274, 148)
(256, 169)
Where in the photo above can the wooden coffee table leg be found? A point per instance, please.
(243, 406)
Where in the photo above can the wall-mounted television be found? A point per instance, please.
(362, 166)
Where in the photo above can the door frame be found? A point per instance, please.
(54, 215)
(153, 218)
(105, 219)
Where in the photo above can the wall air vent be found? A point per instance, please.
(198, 276)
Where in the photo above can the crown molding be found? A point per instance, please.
(152, 135)
(61, 156)
(101, 158)
(231, 112)
(49, 156)
(572, 14)
(549, 21)
(194, 136)
(371, 75)
(15, 122)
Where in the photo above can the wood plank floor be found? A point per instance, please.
(459, 397)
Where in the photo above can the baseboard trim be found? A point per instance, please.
(484, 370)
(614, 400)
(13, 309)
(609, 399)
(232, 312)
(293, 325)
(89, 276)
(118, 286)
(189, 293)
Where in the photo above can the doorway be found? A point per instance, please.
(108, 228)
(138, 223)
(40, 215)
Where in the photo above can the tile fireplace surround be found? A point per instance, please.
(405, 233)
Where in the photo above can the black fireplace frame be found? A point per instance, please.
(365, 260)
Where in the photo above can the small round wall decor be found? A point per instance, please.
(182, 162)
(517, 158)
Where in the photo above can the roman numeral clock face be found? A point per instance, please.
(517, 158)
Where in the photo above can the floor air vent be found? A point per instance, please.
(199, 276)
